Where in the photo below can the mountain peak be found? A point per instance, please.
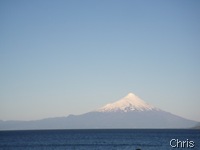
(130, 95)
(130, 102)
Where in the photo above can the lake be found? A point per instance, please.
(101, 139)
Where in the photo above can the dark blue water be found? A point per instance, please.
(99, 139)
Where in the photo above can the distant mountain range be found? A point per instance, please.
(129, 112)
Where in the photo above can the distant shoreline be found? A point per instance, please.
(101, 129)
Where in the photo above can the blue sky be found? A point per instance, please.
(70, 57)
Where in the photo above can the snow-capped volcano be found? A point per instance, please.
(131, 102)
(129, 112)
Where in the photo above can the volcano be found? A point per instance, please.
(130, 112)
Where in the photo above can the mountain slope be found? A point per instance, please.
(128, 112)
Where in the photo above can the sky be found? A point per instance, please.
(61, 57)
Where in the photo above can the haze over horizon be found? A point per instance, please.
(70, 57)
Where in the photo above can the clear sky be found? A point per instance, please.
(61, 57)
